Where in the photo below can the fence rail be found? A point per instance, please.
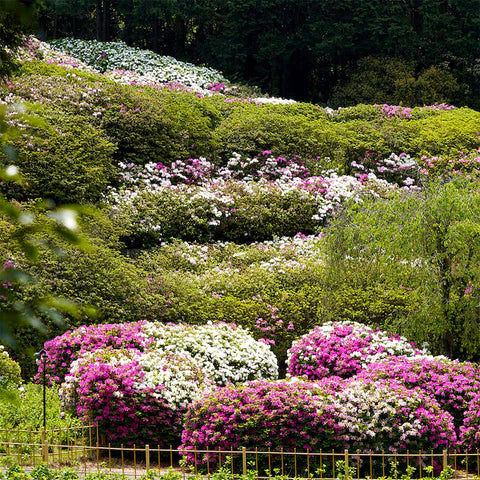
(89, 455)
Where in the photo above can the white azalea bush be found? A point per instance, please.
(149, 67)
(228, 354)
(138, 387)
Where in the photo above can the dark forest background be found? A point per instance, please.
(339, 52)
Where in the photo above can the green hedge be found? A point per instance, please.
(63, 158)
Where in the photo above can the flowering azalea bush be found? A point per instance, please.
(135, 380)
(382, 415)
(148, 66)
(453, 384)
(470, 430)
(343, 349)
(237, 210)
(399, 169)
(275, 415)
(63, 350)
(357, 415)
(466, 164)
(134, 397)
(227, 352)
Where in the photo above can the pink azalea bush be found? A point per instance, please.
(64, 349)
(453, 384)
(343, 349)
(355, 415)
(134, 397)
(135, 380)
(470, 430)
(271, 414)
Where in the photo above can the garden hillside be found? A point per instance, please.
(199, 201)
(335, 52)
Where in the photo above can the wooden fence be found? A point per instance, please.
(83, 451)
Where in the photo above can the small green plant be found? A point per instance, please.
(344, 472)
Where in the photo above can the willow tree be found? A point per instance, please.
(427, 242)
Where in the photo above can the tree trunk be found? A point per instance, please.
(98, 15)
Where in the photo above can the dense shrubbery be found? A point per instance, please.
(10, 373)
(360, 415)
(260, 413)
(452, 384)
(135, 380)
(389, 233)
(64, 158)
(343, 349)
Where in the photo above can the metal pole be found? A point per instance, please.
(44, 358)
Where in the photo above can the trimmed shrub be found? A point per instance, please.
(277, 415)
(10, 373)
(451, 383)
(386, 416)
(343, 349)
(63, 158)
(254, 128)
(135, 398)
(363, 416)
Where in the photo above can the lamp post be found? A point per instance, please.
(42, 356)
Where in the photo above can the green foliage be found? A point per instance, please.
(427, 243)
(65, 159)
(446, 133)
(374, 304)
(10, 373)
(40, 472)
(149, 125)
(25, 410)
(251, 129)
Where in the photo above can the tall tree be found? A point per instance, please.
(429, 243)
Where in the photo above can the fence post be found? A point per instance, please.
(444, 460)
(244, 460)
(347, 473)
(44, 446)
(147, 457)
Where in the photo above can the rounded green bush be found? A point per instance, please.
(10, 373)
(64, 158)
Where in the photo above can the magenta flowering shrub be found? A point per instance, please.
(110, 395)
(64, 349)
(453, 384)
(470, 430)
(271, 414)
(357, 415)
(135, 380)
(343, 349)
